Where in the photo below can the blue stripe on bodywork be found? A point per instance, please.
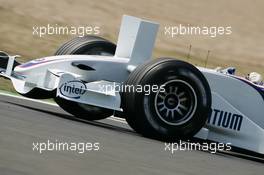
(34, 63)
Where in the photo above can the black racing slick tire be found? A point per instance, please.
(179, 106)
(87, 45)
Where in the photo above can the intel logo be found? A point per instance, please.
(73, 89)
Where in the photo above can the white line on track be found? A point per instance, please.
(53, 104)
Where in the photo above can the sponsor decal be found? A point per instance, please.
(225, 119)
(73, 89)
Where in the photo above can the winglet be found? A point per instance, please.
(136, 39)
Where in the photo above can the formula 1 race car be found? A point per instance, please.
(165, 98)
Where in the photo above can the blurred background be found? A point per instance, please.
(242, 49)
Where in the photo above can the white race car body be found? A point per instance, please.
(237, 111)
(237, 105)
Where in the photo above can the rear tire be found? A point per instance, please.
(87, 45)
(179, 108)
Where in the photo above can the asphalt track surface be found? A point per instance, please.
(122, 151)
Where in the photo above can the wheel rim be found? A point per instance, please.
(177, 104)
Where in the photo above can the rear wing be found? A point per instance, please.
(136, 39)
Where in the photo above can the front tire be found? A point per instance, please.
(177, 110)
(87, 45)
